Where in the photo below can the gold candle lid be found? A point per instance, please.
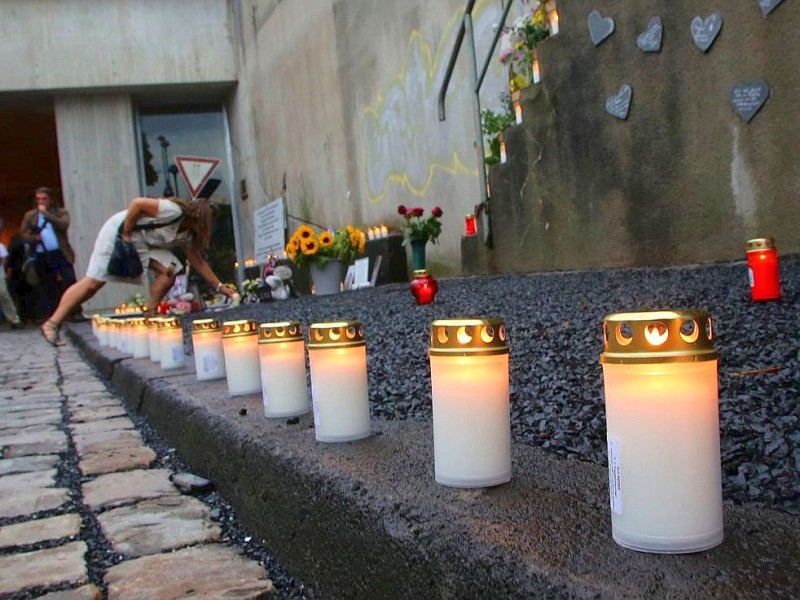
(169, 323)
(152, 322)
(205, 325)
(136, 322)
(760, 244)
(237, 328)
(336, 335)
(468, 337)
(420, 272)
(658, 336)
(285, 331)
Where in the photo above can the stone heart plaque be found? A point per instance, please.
(748, 98)
(600, 27)
(650, 40)
(619, 105)
(767, 6)
(705, 31)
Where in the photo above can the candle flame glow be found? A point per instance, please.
(656, 333)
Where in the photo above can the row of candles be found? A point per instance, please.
(660, 376)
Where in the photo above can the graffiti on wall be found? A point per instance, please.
(403, 144)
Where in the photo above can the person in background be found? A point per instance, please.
(168, 223)
(6, 303)
(46, 227)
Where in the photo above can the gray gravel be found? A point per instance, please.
(554, 322)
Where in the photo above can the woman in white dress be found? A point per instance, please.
(175, 222)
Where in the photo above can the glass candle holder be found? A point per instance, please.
(423, 287)
(138, 337)
(662, 413)
(281, 350)
(95, 322)
(240, 347)
(209, 358)
(470, 225)
(152, 339)
(170, 343)
(337, 356)
(762, 269)
(471, 406)
(125, 340)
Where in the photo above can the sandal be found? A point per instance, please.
(49, 332)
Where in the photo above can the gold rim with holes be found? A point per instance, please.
(468, 337)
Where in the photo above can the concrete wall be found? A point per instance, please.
(341, 97)
(65, 44)
(97, 151)
(684, 179)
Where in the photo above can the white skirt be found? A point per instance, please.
(104, 246)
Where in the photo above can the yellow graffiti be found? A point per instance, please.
(377, 121)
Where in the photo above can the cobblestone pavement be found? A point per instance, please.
(82, 513)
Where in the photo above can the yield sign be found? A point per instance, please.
(195, 171)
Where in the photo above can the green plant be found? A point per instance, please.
(493, 124)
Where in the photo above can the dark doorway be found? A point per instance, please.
(30, 160)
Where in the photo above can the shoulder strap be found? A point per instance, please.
(148, 226)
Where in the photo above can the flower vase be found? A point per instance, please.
(327, 279)
(418, 254)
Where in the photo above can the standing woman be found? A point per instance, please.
(172, 223)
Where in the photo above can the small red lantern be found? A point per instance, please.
(423, 287)
(762, 266)
(470, 225)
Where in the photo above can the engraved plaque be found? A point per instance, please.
(705, 31)
(650, 40)
(619, 105)
(600, 27)
(767, 6)
(748, 98)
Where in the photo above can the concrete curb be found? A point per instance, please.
(367, 520)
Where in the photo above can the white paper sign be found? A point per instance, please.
(269, 223)
(614, 475)
(361, 275)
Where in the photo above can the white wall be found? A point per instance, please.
(99, 175)
(65, 44)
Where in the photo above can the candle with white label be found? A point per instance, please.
(471, 406)
(240, 347)
(281, 349)
(337, 356)
(170, 343)
(125, 342)
(138, 337)
(152, 339)
(662, 413)
(209, 358)
(113, 333)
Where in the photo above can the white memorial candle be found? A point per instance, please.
(240, 347)
(170, 343)
(281, 349)
(152, 339)
(471, 406)
(209, 359)
(102, 331)
(660, 378)
(139, 342)
(113, 333)
(125, 342)
(337, 355)
(95, 323)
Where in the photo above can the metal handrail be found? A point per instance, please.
(477, 82)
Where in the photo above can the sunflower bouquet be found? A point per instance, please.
(306, 246)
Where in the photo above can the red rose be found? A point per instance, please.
(417, 212)
(402, 210)
(436, 212)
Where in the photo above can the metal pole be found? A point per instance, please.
(497, 35)
(473, 66)
(452, 63)
(237, 230)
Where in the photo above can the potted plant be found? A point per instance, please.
(325, 254)
(418, 231)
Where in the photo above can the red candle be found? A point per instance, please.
(762, 266)
(423, 287)
(470, 225)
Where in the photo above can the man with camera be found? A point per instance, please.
(46, 228)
